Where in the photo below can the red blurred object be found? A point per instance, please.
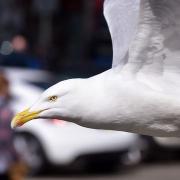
(99, 5)
(58, 122)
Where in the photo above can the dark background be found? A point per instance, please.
(62, 36)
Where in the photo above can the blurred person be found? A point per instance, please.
(19, 44)
(20, 55)
(9, 160)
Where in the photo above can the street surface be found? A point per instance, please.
(166, 171)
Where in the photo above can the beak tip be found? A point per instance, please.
(15, 122)
(13, 125)
(23, 117)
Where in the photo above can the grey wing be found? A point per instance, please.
(122, 18)
(155, 49)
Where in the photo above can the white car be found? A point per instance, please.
(62, 143)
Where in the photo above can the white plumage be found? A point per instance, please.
(141, 93)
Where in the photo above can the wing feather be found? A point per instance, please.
(145, 35)
(121, 16)
(156, 47)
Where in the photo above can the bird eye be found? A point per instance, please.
(52, 98)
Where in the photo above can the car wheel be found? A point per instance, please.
(30, 151)
(132, 157)
(150, 151)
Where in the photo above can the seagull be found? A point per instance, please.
(141, 92)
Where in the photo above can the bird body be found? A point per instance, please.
(110, 103)
(141, 93)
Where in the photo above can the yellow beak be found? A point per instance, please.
(23, 117)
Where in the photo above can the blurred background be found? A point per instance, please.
(68, 37)
(46, 41)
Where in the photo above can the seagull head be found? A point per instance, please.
(59, 101)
